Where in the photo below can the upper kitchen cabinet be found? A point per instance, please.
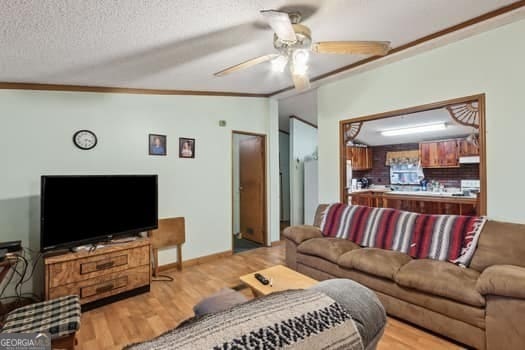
(361, 157)
(467, 149)
(439, 154)
(428, 154)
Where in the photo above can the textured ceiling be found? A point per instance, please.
(370, 133)
(167, 44)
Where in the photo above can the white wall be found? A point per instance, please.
(273, 196)
(311, 190)
(303, 106)
(303, 143)
(491, 63)
(284, 166)
(35, 138)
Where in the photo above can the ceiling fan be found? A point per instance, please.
(293, 41)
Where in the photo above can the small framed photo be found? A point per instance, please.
(186, 147)
(157, 145)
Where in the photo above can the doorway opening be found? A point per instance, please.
(249, 191)
(428, 159)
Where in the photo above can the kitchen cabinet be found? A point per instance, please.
(361, 157)
(467, 149)
(367, 198)
(438, 205)
(362, 198)
(428, 154)
(439, 154)
(432, 205)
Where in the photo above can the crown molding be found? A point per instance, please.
(303, 121)
(473, 21)
(121, 90)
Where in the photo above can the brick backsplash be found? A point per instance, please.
(380, 173)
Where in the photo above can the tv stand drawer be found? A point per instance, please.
(104, 287)
(71, 271)
(109, 271)
(104, 263)
(101, 287)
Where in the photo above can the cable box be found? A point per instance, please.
(12, 246)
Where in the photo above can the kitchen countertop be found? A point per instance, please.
(371, 190)
(388, 191)
(429, 194)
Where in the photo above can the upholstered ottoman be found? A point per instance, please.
(59, 317)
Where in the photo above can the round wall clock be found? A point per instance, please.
(85, 139)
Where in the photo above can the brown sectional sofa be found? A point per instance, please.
(482, 306)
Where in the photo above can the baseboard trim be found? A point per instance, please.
(197, 261)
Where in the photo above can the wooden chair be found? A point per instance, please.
(171, 232)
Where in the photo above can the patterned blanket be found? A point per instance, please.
(441, 237)
(294, 319)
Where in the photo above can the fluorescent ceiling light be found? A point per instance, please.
(414, 129)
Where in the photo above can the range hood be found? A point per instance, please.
(469, 160)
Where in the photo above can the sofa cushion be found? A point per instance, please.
(441, 278)
(328, 248)
(502, 280)
(319, 264)
(299, 234)
(500, 243)
(472, 315)
(375, 261)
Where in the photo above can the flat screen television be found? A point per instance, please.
(77, 210)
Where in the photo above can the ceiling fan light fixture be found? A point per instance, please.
(301, 57)
(279, 64)
(300, 62)
(293, 43)
(300, 69)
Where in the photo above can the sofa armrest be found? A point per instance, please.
(299, 234)
(502, 280)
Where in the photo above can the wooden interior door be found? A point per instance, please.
(252, 188)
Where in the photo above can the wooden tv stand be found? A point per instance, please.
(104, 275)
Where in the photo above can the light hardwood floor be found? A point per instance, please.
(148, 315)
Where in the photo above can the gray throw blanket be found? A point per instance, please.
(294, 319)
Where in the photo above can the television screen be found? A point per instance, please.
(82, 209)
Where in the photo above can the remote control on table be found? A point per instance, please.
(261, 278)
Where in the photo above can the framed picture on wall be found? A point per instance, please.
(157, 145)
(186, 147)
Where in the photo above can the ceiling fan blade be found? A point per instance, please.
(281, 24)
(376, 48)
(301, 81)
(246, 64)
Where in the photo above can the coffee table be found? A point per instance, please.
(282, 278)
